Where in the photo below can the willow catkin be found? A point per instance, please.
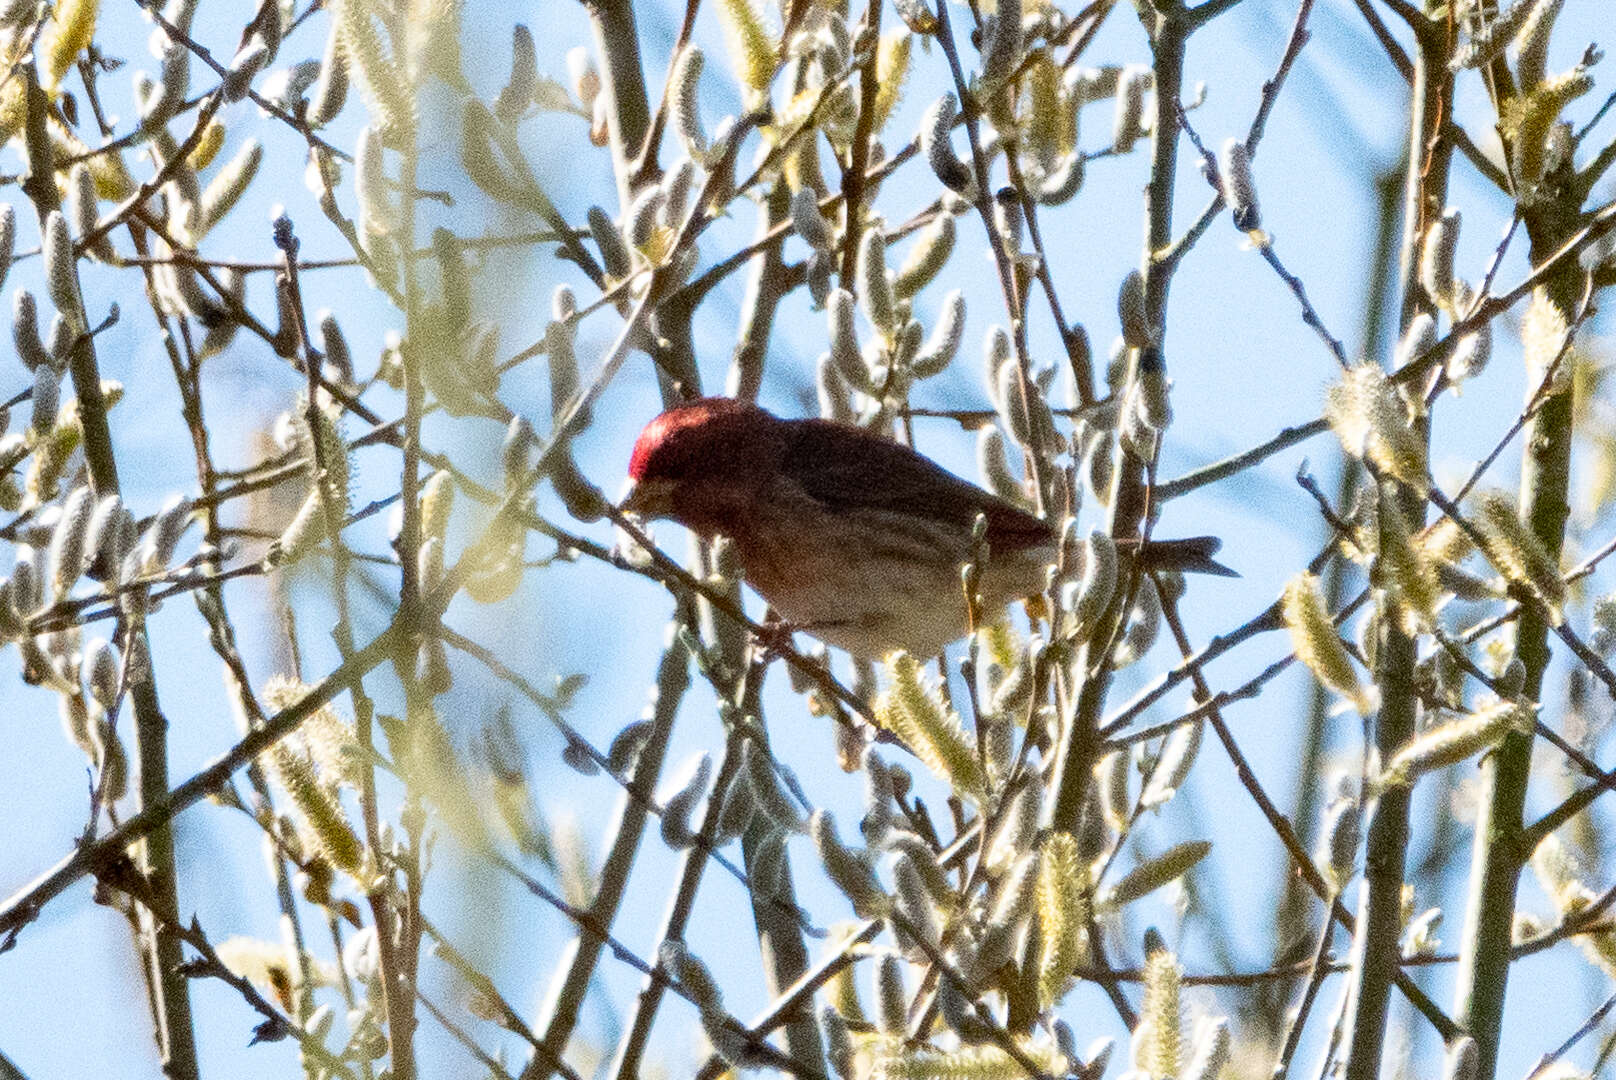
(61, 275)
(370, 187)
(1519, 555)
(614, 255)
(875, 287)
(517, 95)
(331, 88)
(244, 68)
(926, 258)
(225, 190)
(25, 331)
(1136, 331)
(46, 398)
(85, 207)
(808, 221)
(938, 148)
(1002, 52)
(1128, 123)
(8, 239)
(1317, 645)
(1437, 255)
(943, 344)
(335, 346)
(684, 96)
(1239, 187)
(65, 556)
(845, 353)
(100, 672)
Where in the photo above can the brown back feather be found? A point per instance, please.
(849, 468)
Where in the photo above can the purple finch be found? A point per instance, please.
(850, 536)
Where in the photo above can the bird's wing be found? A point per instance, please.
(878, 474)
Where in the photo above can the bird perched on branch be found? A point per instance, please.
(850, 536)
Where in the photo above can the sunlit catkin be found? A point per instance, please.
(911, 710)
(244, 68)
(374, 67)
(1339, 833)
(1317, 645)
(1062, 915)
(74, 25)
(65, 558)
(1410, 575)
(1179, 751)
(926, 258)
(1518, 554)
(1162, 1052)
(1098, 585)
(891, 73)
(1417, 340)
(1545, 340)
(1453, 742)
(752, 48)
(1370, 419)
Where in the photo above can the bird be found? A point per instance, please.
(848, 535)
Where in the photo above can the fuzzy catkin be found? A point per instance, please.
(939, 149)
(875, 287)
(1317, 645)
(684, 96)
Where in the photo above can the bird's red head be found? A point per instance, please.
(683, 437)
(699, 460)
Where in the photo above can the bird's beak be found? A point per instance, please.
(648, 499)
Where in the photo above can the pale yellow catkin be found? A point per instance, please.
(1317, 645)
(1519, 555)
(911, 710)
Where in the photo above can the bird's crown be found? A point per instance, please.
(688, 432)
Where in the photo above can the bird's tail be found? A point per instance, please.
(1191, 555)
